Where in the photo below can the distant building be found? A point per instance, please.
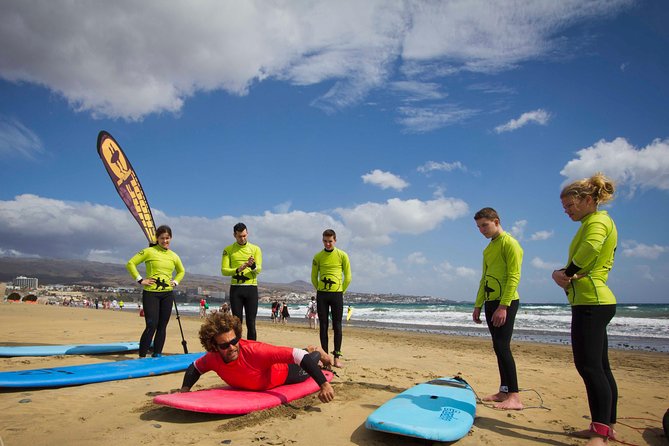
(25, 282)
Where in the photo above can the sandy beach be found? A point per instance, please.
(378, 365)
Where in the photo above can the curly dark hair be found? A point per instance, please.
(214, 325)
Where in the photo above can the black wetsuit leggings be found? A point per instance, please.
(334, 302)
(157, 312)
(590, 345)
(501, 342)
(244, 301)
(297, 374)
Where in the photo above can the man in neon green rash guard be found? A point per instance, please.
(331, 276)
(498, 290)
(242, 262)
(157, 296)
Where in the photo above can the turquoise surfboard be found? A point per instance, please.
(80, 349)
(439, 410)
(94, 373)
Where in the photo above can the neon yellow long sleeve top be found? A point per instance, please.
(327, 269)
(160, 264)
(592, 250)
(502, 262)
(235, 256)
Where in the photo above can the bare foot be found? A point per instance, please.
(498, 397)
(512, 402)
(587, 433)
(338, 363)
(597, 440)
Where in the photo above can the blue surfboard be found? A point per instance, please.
(439, 410)
(80, 349)
(94, 373)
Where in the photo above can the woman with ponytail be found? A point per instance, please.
(591, 256)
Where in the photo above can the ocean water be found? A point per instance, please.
(636, 327)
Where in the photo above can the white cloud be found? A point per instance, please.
(414, 91)
(444, 166)
(518, 229)
(375, 222)
(542, 235)
(425, 119)
(541, 264)
(385, 180)
(539, 116)
(151, 56)
(416, 258)
(450, 272)
(32, 225)
(632, 248)
(18, 140)
(282, 208)
(646, 168)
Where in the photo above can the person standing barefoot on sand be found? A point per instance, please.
(593, 304)
(502, 261)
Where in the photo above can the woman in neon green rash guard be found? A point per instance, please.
(593, 305)
(157, 296)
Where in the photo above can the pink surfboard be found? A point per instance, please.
(230, 401)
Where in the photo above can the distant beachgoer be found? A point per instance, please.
(253, 365)
(275, 312)
(284, 313)
(225, 308)
(121, 304)
(331, 276)
(498, 289)
(593, 305)
(312, 312)
(203, 313)
(242, 262)
(157, 296)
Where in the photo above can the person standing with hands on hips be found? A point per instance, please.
(331, 276)
(157, 296)
(593, 305)
(242, 262)
(502, 262)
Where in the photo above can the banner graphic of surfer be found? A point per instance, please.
(126, 182)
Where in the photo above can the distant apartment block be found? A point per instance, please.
(25, 282)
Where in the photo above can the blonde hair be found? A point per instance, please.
(598, 186)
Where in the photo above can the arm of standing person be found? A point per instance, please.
(181, 271)
(346, 270)
(131, 267)
(256, 265)
(314, 273)
(226, 267)
(480, 297)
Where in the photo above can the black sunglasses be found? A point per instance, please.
(226, 345)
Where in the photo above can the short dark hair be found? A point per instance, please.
(330, 233)
(487, 213)
(239, 227)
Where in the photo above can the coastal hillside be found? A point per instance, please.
(99, 274)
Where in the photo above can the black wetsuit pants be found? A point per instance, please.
(297, 374)
(244, 301)
(501, 343)
(590, 345)
(334, 302)
(157, 312)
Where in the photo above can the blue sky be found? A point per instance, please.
(391, 122)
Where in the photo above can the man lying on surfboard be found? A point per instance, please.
(252, 365)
